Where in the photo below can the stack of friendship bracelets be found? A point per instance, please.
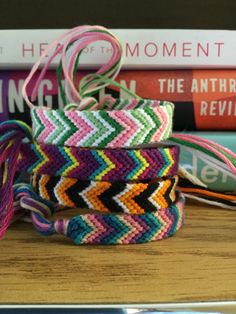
(109, 157)
(104, 157)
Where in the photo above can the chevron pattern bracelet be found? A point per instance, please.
(105, 196)
(126, 124)
(99, 164)
(114, 229)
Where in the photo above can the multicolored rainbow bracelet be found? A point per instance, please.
(105, 196)
(103, 229)
(126, 124)
(99, 164)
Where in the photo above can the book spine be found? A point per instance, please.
(143, 48)
(204, 99)
(213, 177)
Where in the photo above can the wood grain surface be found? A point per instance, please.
(197, 264)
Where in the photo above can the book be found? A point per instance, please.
(204, 99)
(143, 48)
(214, 177)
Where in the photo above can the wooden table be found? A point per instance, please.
(197, 264)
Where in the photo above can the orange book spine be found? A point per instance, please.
(204, 99)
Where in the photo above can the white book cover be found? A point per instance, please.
(142, 48)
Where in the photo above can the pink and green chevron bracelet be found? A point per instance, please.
(128, 123)
(99, 164)
(99, 228)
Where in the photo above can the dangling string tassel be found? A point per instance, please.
(11, 135)
(64, 46)
(218, 157)
(28, 201)
(206, 195)
(207, 147)
(183, 173)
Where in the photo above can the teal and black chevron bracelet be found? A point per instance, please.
(126, 123)
(105, 196)
(106, 164)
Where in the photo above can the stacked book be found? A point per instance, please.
(194, 69)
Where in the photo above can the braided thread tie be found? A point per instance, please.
(129, 123)
(104, 196)
(116, 229)
(28, 201)
(104, 164)
(11, 135)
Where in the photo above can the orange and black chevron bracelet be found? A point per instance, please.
(105, 196)
(99, 164)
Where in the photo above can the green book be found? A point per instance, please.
(214, 177)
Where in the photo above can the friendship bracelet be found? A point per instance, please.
(113, 229)
(105, 196)
(104, 164)
(128, 123)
